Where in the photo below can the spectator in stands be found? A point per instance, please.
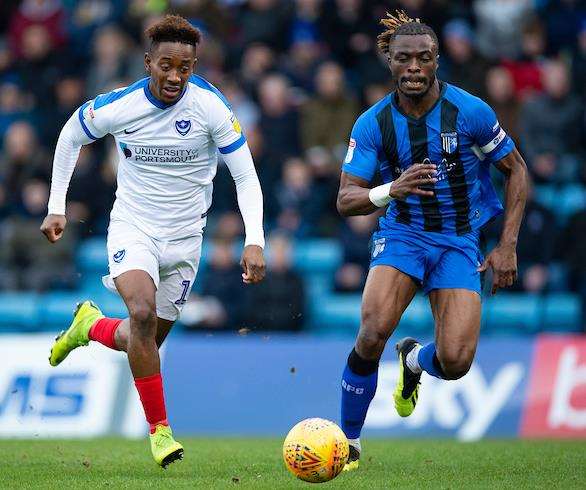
(110, 67)
(90, 210)
(222, 302)
(265, 21)
(300, 204)
(538, 227)
(462, 64)
(257, 61)
(14, 105)
(355, 237)
(27, 261)
(550, 126)
(526, 69)
(498, 22)
(564, 20)
(571, 250)
(278, 303)
(306, 47)
(40, 65)
(349, 30)
(22, 159)
(327, 118)
(44, 16)
(501, 97)
(279, 121)
(68, 95)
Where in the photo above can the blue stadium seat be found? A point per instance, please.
(562, 312)
(546, 195)
(317, 255)
(19, 311)
(511, 313)
(335, 314)
(564, 201)
(92, 255)
(56, 309)
(572, 199)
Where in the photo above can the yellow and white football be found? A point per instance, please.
(315, 450)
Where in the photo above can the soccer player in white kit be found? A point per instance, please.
(168, 129)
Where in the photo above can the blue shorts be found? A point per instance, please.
(433, 260)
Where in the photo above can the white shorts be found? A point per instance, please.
(172, 264)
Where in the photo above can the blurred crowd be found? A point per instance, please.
(298, 73)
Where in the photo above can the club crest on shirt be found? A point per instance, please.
(118, 256)
(449, 142)
(183, 126)
(379, 246)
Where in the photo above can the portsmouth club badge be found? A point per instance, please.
(183, 127)
(449, 142)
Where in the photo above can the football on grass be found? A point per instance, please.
(315, 450)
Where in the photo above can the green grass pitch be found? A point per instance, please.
(257, 463)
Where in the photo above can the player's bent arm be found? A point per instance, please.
(71, 139)
(353, 196)
(248, 193)
(516, 182)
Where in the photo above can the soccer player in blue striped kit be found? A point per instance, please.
(432, 145)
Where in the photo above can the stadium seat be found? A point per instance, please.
(317, 255)
(92, 255)
(511, 313)
(19, 311)
(562, 201)
(562, 312)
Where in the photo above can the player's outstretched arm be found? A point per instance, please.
(71, 139)
(503, 258)
(356, 197)
(250, 203)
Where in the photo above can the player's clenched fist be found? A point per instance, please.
(411, 180)
(53, 226)
(253, 264)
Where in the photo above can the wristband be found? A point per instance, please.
(379, 196)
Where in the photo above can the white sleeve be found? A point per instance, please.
(71, 139)
(224, 127)
(248, 192)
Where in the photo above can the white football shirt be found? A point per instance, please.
(167, 153)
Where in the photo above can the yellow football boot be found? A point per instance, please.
(353, 459)
(165, 449)
(407, 389)
(84, 316)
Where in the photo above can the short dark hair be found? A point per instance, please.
(173, 29)
(401, 24)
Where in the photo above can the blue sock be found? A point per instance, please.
(358, 388)
(429, 362)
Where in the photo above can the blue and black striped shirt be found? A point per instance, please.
(460, 134)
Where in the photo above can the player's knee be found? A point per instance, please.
(456, 362)
(143, 316)
(372, 337)
(370, 344)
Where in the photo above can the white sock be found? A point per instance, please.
(355, 443)
(412, 361)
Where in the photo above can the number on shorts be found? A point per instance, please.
(183, 299)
